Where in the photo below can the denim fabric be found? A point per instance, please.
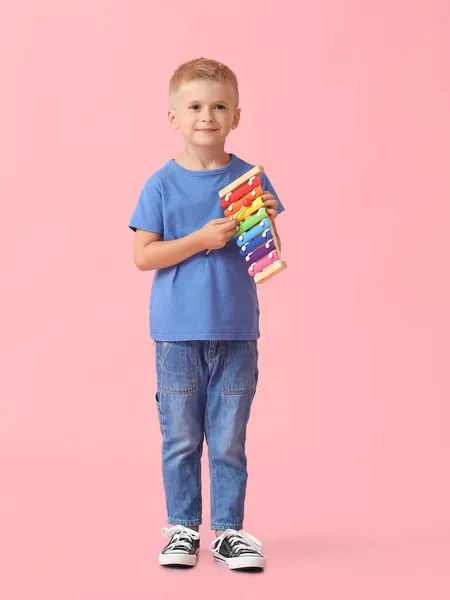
(205, 389)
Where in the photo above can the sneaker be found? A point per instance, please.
(239, 550)
(182, 548)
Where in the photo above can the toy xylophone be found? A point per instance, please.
(254, 233)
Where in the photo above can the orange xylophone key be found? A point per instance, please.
(245, 201)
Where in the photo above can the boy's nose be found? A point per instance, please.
(208, 116)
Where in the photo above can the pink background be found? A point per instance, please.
(346, 104)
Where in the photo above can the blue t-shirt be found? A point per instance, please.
(206, 297)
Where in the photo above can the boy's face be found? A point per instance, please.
(204, 112)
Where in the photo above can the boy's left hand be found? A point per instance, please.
(270, 204)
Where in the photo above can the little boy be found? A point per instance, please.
(204, 318)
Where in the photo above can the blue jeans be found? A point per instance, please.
(205, 389)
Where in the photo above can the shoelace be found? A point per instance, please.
(178, 531)
(244, 541)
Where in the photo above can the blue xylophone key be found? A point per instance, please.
(252, 233)
(262, 238)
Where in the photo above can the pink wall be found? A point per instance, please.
(346, 104)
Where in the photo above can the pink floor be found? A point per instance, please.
(88, 527)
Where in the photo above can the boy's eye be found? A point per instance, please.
(198, 107)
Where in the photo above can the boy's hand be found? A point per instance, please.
(270, 204)
(217, 233)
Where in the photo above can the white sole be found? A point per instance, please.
(188, 560)
(242, 562)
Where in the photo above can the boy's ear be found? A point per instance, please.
(236, 118)
(172, 119)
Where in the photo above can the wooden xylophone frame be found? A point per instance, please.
(246, 180)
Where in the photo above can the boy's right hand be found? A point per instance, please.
(217, 233)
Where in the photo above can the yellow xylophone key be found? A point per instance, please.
(255, 205)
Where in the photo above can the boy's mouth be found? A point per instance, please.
(207, 130)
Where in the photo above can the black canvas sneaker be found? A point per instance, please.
(183, 547)
(239, 550)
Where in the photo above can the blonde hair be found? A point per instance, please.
(202, 69)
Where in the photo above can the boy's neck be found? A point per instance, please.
(203, 159)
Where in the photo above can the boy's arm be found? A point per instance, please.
(150, 253)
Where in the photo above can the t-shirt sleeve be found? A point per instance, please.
(148, 214)
(268, 187)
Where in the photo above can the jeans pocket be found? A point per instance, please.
(176, 367)
(240, 367)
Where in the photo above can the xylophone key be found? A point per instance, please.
(249, 210)
(245, 189)
(260, 252)
(260, 265)
(256, 242)
(251, 221)
(245, 201)
(252, 233)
